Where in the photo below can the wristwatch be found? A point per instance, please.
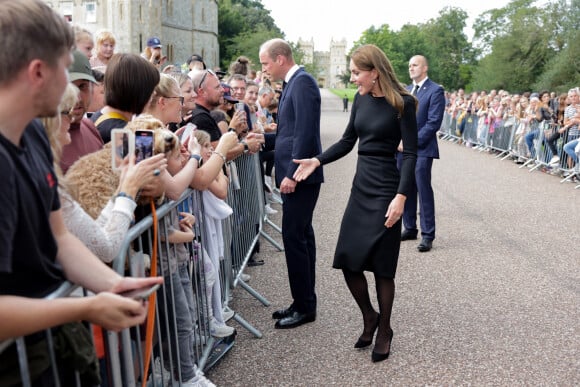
(194, 156)
(125, 195)
(246, 147)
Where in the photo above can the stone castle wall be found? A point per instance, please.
(184, 27)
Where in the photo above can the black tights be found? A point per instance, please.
(358, 286)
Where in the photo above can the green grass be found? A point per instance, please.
(341, 92)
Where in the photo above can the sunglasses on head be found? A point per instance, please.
(204, 76)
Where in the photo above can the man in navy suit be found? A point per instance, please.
(429, 116)
(297, 137)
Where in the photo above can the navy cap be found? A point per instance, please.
(227, 93)
(154, 42)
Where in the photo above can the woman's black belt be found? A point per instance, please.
(387, 155)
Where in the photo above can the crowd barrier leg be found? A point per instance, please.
(23, 362)
(202, 362)
(278, 246)
(246, 197)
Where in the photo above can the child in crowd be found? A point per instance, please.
(174, 266)
(215, 210)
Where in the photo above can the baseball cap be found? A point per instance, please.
(227, 93)
(80, 68)
(196, 58)
(154, 42)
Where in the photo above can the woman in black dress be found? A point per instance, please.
(383, 120)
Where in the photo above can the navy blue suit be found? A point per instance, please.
(429, 116)
(298, 137)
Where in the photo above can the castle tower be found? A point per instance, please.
(307, 48)
(337, 63)
(330, 64)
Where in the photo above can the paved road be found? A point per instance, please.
(494, 303)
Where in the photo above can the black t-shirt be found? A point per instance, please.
(28, 195)
(201, 117)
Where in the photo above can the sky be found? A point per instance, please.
(325, 20)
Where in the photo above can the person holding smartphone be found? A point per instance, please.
(39, 252)
(210, 94)
(104, 234)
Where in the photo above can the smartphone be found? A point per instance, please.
(143, 144)
(141, 293)
(189, 128)
(123, 144)
(239, 106)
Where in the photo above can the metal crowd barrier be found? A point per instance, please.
(124, 361)
(18, 347)
(509, 140)
(244, 228)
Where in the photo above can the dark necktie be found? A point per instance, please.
(415, 90)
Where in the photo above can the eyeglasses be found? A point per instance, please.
(181, 99)
(203, 77)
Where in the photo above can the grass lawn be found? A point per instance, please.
(341, 92)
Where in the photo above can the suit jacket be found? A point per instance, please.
(429, 116)
(298, 132)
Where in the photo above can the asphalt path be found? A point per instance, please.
(494, 303)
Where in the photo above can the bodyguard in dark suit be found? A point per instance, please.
(298, 137)
(429, 116)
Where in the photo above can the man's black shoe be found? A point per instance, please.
(281, 313)
(295, 319)
(425, 245)
(255, 262)
(408, 235)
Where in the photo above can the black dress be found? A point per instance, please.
(364, 243)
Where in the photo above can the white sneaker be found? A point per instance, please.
(227, 314)
(554, 160)
(220, 330)
(245, 277)
(269, 210)
(161, 376)
(199, 380)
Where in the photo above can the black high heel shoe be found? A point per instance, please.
(361, 343)
(376, 357)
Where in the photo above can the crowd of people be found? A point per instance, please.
(68, 209)
(540, 121)
(57, 155)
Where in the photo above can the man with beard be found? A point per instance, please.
(210, 94)
(85, 137)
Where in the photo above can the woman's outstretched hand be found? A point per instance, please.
(305, 168)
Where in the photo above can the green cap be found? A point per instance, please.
(80, 68)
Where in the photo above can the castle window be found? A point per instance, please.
(66, 7)
(169, 8)
(91, 12)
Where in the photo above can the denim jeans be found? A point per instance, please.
(181, 306)
(569, 149)
(534, 133)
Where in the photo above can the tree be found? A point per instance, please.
(520, 53)
(408, 42)
(449, 47)
(243, 25)
(494, 23)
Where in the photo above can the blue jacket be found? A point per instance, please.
(429, 116)
(298, 132)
